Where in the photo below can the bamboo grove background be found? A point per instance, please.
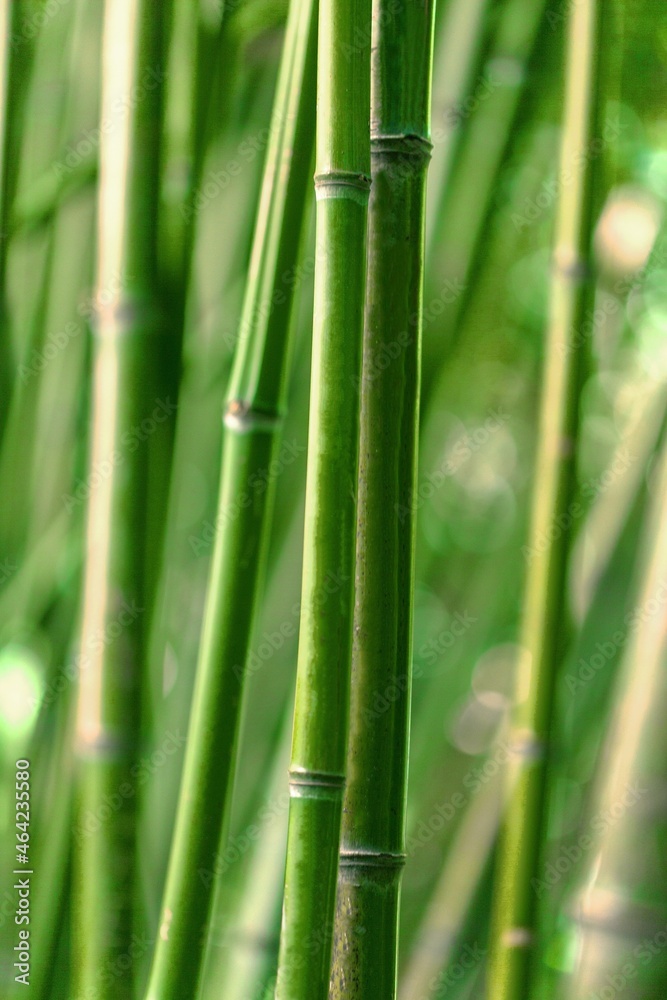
(159, 268)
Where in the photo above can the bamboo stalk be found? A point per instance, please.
(546, 621)
(620, 910)
(373, 829)
(108, 722)
(317, 772)
(253, 417)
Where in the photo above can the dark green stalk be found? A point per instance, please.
(621, 912)
(253, 417)
(317, 772)
(113, 605)
(373, 829)
(546, 622)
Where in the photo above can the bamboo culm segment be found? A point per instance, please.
(372, 841)
(342, 185)
(108, 724)
(546, 624)
(253, 418)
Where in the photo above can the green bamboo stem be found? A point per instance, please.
(253, 417)
(317, 772)
(546, 624)
(373, 828)
(108, 722)
(620, 910)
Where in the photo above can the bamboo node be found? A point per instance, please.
(315, 784)
(403, 144)
(99, 745)
(527, 745)
(518, 937)
(128, 316)
(243, 417)
(343, 184)
(378, 864)
(569, 264)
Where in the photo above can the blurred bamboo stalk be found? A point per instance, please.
(620, 910)
(317, 773)
(256, 402)
(372, 852)
(114, 611)
(546, 618)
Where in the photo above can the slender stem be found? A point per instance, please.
(545, 616)
(113, 605)
(323, 672)
(372, 842)
(253, 418)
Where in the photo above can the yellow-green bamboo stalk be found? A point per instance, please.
(111, 652)
(546, 623)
